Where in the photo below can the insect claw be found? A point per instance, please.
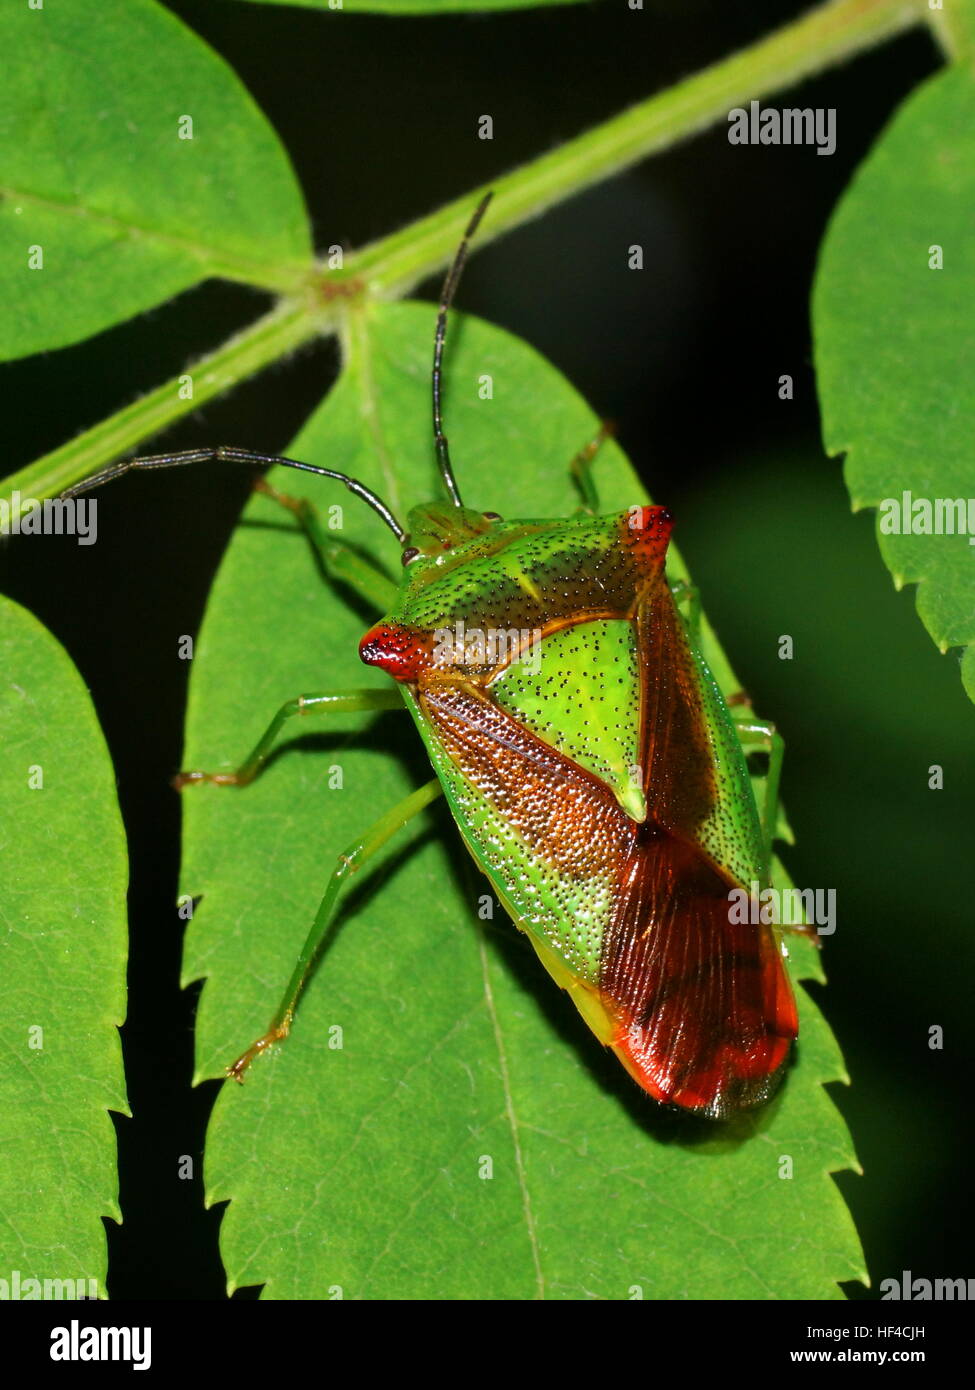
(293, 504)
(273, 1035)
(184, 779)
(189, 779)
(244, 1060)
(806, 929)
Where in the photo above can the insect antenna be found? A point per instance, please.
(245, 456)
(446, 297)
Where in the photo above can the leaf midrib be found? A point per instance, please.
(282, 276)
(513, 1124)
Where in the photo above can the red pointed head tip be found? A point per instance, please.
(400, 651)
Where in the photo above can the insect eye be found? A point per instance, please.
(492, 516)
(410, 554)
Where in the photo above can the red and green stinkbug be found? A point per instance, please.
(594, 769)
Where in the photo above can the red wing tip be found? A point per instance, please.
(742, 1080)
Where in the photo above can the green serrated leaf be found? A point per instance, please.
(895, 341)
(105, 210)
(63, 932)
(361, 1169)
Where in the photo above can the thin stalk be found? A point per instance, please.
(388, 269)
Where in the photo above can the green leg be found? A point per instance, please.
(581, 469)
(752, 731)
(689, 594)
(339, 561)
(375, 699)
(351, 859)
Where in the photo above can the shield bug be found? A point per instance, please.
(595, 771)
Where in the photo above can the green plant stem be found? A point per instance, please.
(825, 36)
(271, 337)
(390, 268)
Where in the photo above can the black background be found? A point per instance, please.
(379, 116)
